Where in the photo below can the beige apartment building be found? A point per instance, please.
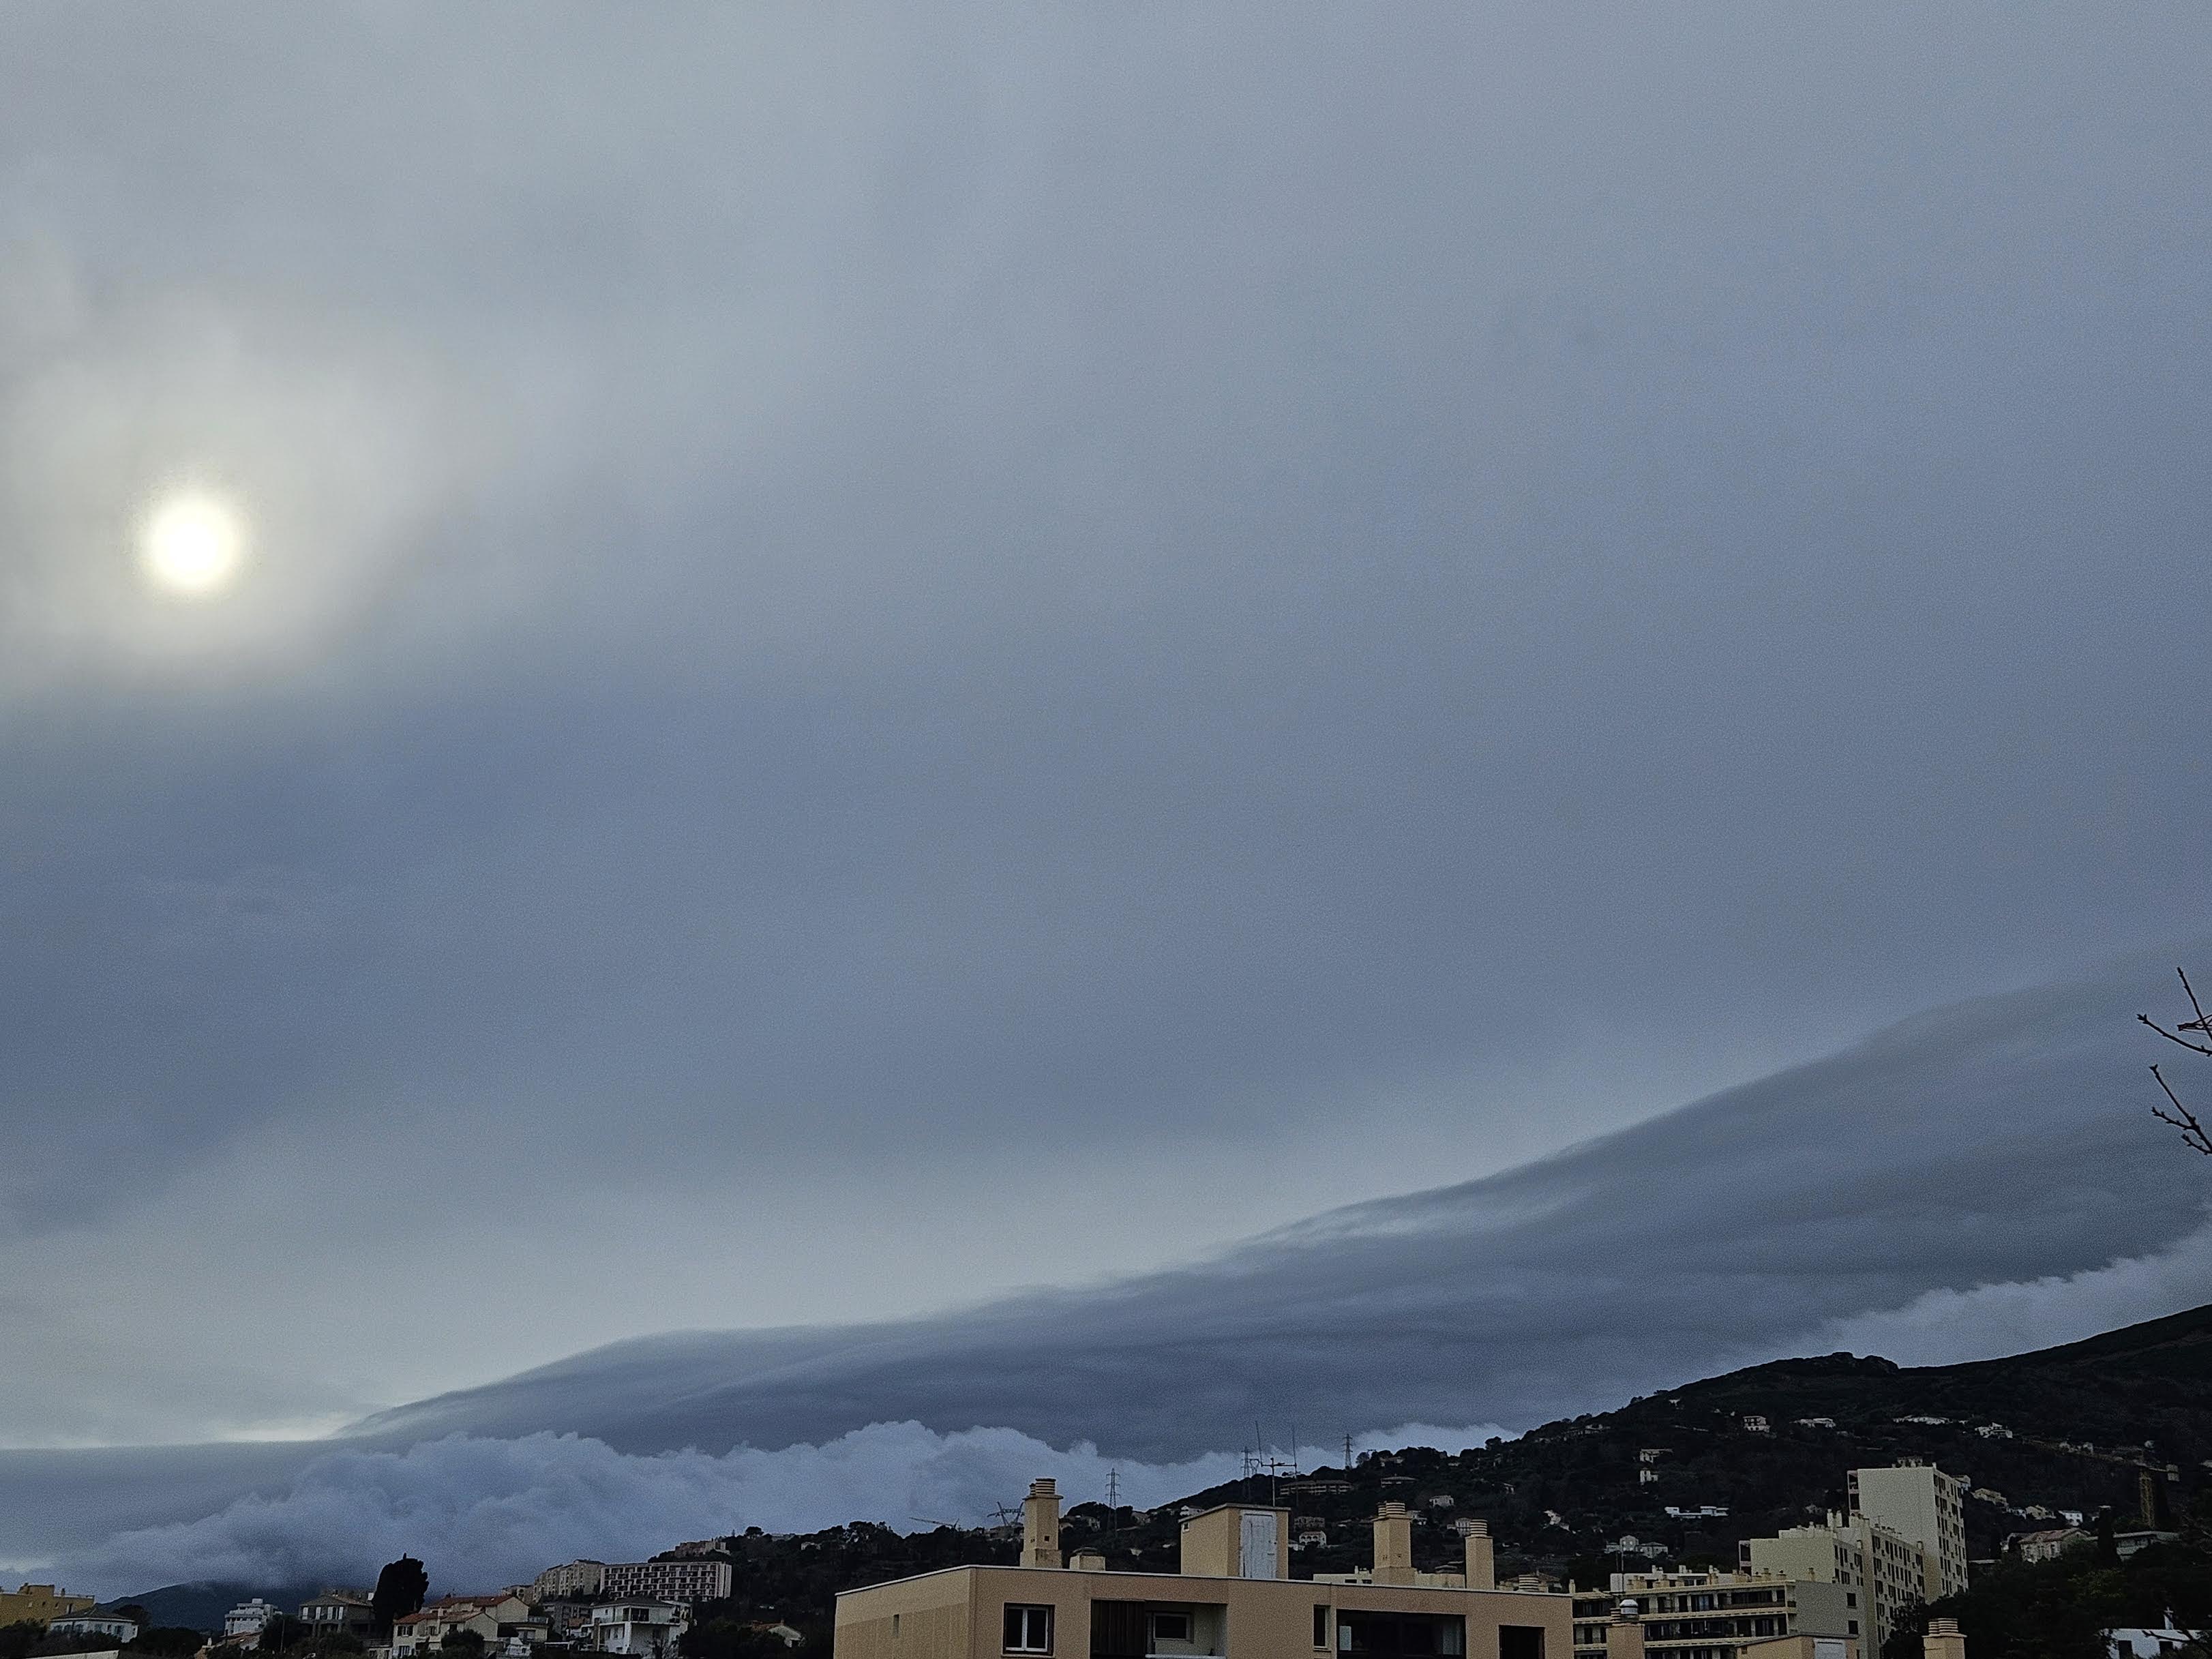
(583, 1577)
(1884, 1573)
(1233, 1599)
(39, 1604)
(1701, 1614)
(1922, 1504)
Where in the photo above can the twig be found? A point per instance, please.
(2199, 1022)
(2193, 1134)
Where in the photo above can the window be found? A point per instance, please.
(1170, 1627)
(1520, 1642)
(1321, 1624)
(1029, 1630)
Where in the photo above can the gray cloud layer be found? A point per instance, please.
(1976, 1180)
(870, 637)
(1985, 1144)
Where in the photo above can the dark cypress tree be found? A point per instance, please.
(399, 1591)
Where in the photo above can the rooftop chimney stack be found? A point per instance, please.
(1481, 1562)
(1624, 1634)
(1944, 1640)
(1040, 1525)
(1394, 1545)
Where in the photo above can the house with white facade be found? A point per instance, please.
(640, 1626)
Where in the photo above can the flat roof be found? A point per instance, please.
(1120, 1576)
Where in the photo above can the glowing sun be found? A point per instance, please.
(193, 545)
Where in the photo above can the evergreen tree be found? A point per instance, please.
(399, 1591)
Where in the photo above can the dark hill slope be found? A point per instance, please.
(2073, 1422)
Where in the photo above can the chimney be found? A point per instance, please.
(1624, 1634)
(1040, 1525)
(1481, 1562)
(1394, 1545)
(1943, 1641)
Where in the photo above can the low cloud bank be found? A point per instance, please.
(485, 1512)
(1942, 1327)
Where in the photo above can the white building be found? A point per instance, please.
(2148, 1644)
(248, 1619)
(115, 1629)
(639, 1627)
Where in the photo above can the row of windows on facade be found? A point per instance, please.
(1029, 1630)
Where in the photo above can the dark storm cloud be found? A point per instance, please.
(1978, 1153)
(1980, 1144)
(867, 594)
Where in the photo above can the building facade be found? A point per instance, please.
(1233, 1599)
(338, 1613)
(1701, 1614)
(640, 1626)
(495, 1618)
(1886, 1573)
(39, 1604)
(1919, 1503)
(573, 1579)
(107, 1626)
(248, 1620)
(688, 1583)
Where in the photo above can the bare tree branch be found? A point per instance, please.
(2199, 1022)
(2193, 1047)
(2193, 1134)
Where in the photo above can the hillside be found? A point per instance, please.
(2067, 1427)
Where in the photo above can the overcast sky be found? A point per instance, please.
(888, 657)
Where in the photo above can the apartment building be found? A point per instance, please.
(39, 1604)
(249, 1618)
(1884, 1573)
(1921, 1504)
(1700, 1614)
(687, 1582)
(573, 1579)
(1233, 1599)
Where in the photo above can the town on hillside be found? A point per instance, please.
(1263, 1568)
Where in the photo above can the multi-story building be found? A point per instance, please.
(641, 1625)
(688, 1583)
(572, 1579)
(39, 1604)
(1921, 1504)
(248, 1620)
(1883, 1571)
(338, 1613)
(1701, 1614)
(1233, 1598)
